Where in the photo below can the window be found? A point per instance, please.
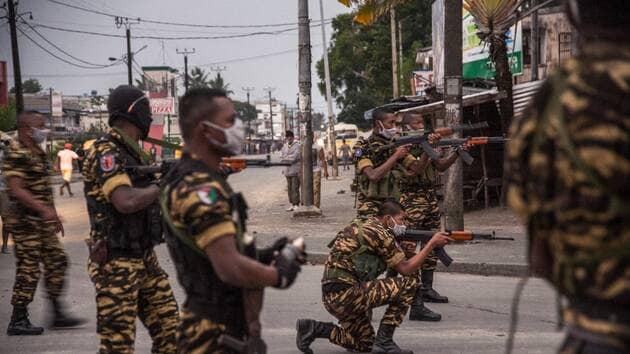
(564, 46)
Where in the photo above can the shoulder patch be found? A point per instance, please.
(358, 153)
(107, 162)
(208, 195)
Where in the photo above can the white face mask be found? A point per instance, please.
(39, 135)
(388, 133)
(234, 136)
(398, 229)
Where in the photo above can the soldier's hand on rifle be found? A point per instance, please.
(288, 264)
(467, 146)
(266, 255)
(434, 138)
(440, 239)
(401, 151)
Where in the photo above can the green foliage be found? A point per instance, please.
(247, 112)
(8, 117)
(361, 59)
(198, 78)
(219, 84)
(29, 86)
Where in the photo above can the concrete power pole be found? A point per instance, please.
(185, 53)
(331, 118)
(453, 200)
(304, 98)
(392, 20)
(17, 75)
(120, 21)
(269, 90)
(535, 42)
(248, 90)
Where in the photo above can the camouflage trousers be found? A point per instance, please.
(197, 334)
(35, 243)
(423, 213)
(351, 307)
(127, 288)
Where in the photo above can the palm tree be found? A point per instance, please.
(198, 78)
(219, 83)
(493, 19)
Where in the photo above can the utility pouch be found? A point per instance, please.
(98, 251)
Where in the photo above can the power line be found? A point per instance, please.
(174, 23)
(102, 34)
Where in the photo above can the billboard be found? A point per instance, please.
(164, 105)
(56, 104)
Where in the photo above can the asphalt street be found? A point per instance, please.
(476, 320)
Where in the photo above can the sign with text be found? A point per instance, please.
(56, 104)
(164, 105)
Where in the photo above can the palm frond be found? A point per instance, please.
(368, 11)
(493, 17)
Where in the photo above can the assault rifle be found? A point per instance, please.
(239, 164)
(425, 235)
(143, 170)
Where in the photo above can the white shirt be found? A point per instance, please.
(65, 159)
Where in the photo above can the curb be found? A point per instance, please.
(486, 269)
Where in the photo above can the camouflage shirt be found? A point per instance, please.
(33, 168)
(379, 241)
(199, 205)
(564, 206)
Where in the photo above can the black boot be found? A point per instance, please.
(428, 293)
(62, 320)
(20, 324)
(308, 331)
(419, 312)
(384, 342)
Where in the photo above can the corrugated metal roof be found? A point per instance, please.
(523, 95)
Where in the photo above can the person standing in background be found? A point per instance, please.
(292, 154)
(344, 151)
(64, 164)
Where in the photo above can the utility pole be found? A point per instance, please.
(535, 42)
(249, 119)
(331, 118)
(17, 74)
(453, 200)
(269, 90)
(392, 20)
(120, 21)
(304, 99)
(185, 53)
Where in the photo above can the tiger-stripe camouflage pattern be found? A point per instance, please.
(199, 335)
(423, 213)
(351, 307)
(35, 240)
(127, 288)
(580, 214)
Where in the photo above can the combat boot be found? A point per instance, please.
(384, 342)
(309, 330)
(428, 293)
(20, 324)
(63, 320)
(419, 312)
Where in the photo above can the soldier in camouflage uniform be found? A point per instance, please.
(125, 226)
(34, 227)
(205, 234)
(380, 170)
(569, 167)
(350, 288)
(420, 200)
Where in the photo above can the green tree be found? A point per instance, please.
(8, 117)
(247, 112)
(198, 78)
(361, 62)
(29, 86)
(219, 83)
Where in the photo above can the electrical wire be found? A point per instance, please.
(158, 22)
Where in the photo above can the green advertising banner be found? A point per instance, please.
(476, 56)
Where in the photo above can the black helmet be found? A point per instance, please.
(598, 15)
(130, 103)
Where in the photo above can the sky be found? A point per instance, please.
(276, 64)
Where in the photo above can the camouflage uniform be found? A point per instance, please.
(370, 196)
(131, 282)
(351, 291)
(35, 240)
(569, 165)
(200, 204)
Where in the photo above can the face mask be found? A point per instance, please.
(398, 229)
(234, 137)
(39, 135)
(388, 133)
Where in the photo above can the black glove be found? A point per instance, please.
(288, 264)
(266, 255)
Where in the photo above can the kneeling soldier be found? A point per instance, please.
(359, 254)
